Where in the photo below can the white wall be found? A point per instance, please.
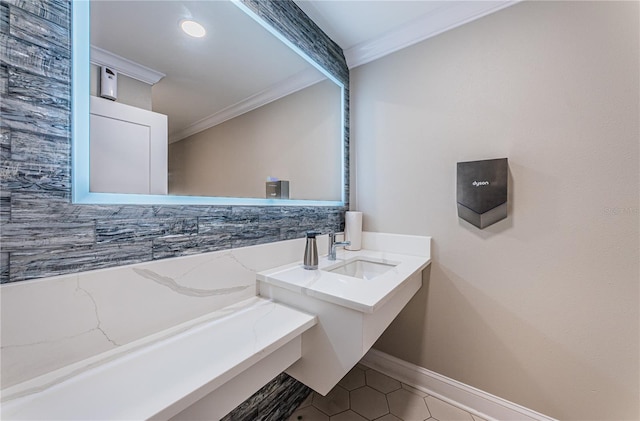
(297, 138)
(540, 308)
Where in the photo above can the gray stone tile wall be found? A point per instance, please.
(276, 401)
(43, 233)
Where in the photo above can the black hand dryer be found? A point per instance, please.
(482, 191)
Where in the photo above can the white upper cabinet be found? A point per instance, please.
(128, 149)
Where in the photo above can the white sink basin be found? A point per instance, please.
(361, 268)
(355, 298)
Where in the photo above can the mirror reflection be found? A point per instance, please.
(217, 115)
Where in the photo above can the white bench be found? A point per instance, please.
(199, 370)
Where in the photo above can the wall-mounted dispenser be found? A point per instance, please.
(482, 191)
(278, 189)
(108, 83)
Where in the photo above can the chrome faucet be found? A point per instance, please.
(333, 245)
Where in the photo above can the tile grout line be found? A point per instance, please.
(403, 386)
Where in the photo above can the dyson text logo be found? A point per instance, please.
(480, 183)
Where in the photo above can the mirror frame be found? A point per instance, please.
(80, 127)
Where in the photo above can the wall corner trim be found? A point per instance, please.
(475, 401)
(130, 68)
(424, 27)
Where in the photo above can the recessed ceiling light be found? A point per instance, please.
(192, 28)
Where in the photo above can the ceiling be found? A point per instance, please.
(199, 79)
(370, 29)
(207, 81)
(352, 22)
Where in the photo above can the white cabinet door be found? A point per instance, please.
(128, 149)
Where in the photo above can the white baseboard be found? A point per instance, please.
(475, 401)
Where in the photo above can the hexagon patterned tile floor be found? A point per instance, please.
(365, 394)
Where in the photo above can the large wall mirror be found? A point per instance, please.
(241, 106)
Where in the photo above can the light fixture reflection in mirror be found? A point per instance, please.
(193, 28)
(80, 183)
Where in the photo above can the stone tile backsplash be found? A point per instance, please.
(43, 233)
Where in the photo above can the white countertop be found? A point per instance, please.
(358, 294)
(144, 380)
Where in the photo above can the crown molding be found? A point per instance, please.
(444, 18)
(293, 84)
(101, 57)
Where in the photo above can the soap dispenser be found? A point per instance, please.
(311, 251)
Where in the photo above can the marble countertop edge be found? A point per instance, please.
(252, 315)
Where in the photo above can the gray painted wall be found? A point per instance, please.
(541, 308)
